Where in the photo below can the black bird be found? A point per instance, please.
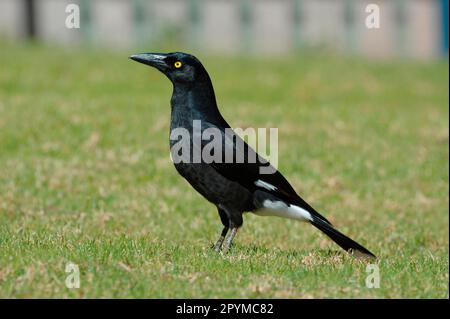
(233, 187)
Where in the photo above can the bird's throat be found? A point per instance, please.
(195, 102)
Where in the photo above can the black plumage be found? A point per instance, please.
(233, 187)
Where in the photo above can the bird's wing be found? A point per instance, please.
(247, 168)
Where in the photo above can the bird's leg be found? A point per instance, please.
(229, 239)
(226, 225)
(219, 242)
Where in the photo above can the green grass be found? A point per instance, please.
(85, 177)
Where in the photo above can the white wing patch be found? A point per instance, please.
(265, 185)
(281, 209)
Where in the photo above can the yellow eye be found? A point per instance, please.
(178, 64)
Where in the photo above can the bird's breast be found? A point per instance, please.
(216, 188)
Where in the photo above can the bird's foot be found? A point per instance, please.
(229, 240)
(218, 245)
(226, 248)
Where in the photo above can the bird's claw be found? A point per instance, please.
(218, 245)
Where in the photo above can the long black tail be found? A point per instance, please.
(346, 243)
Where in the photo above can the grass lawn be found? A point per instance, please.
(85, 177)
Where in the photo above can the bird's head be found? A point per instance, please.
(179, 67)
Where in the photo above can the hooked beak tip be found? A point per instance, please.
(135, 57)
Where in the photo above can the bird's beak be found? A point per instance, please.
(155, 60)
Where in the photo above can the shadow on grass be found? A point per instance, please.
(289, 253)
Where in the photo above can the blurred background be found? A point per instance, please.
(413, 28)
